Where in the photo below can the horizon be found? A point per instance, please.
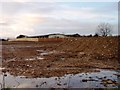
(41, 18)
(55, 33)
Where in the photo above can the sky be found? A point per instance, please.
(38, 18)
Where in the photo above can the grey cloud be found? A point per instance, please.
(110, 9)
(4, 24)
(11, 8)
(66, 26)
(52, 24)
(15, 7)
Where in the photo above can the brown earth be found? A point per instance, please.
(73, 55)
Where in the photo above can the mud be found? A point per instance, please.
(71, 56)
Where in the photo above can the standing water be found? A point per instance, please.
(102, 79)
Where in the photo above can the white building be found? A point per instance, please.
(57, 36)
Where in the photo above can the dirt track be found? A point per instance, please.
(73, 55)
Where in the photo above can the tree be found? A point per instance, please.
(76, 35)
(104, 29)
(96, 35)
(21, 36)
(89, 35)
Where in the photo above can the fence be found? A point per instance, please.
(40, 39)
(26, 39)
(50, 39)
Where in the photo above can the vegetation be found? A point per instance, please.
(104, 29)
(21, 36)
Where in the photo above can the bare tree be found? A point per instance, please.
(104, 29)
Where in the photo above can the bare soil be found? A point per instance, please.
(71, 56)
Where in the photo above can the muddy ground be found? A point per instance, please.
(72, 56)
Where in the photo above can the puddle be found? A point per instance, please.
(34, 58)
(40, 58)
(81, 80)
(48, 52)
(40, 50)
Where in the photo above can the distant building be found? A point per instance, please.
(73, 35)
(57, 36)
(42, 38)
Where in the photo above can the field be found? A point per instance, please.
(56, 59)
(41, 59)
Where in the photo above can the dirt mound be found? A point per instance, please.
(105, 46)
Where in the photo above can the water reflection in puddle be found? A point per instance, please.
(82, 80)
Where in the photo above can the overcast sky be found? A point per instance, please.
(38, 18)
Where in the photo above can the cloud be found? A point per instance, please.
(18, 24)
(22, 1)
(53, 25)
(33, 18)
